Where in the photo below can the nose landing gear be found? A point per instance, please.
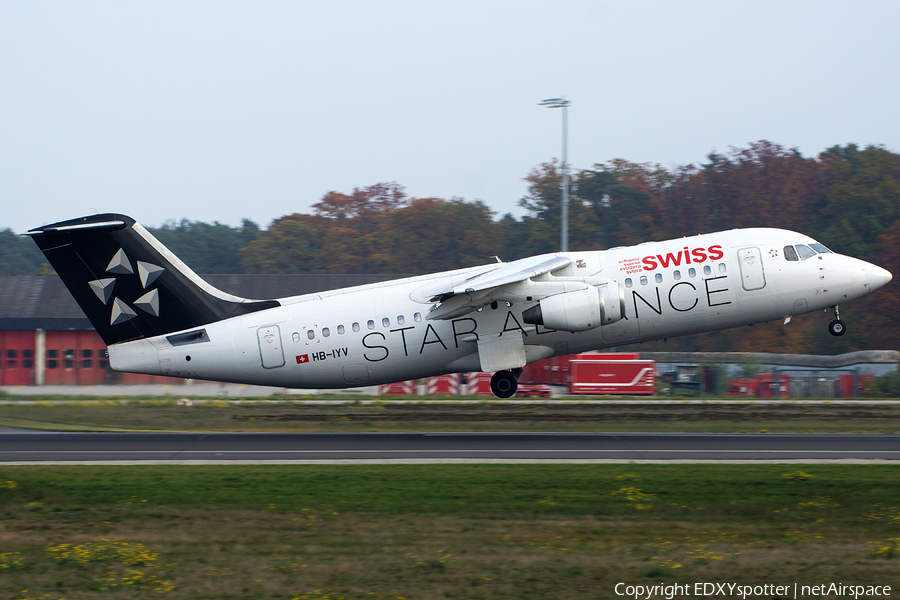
(837, 327)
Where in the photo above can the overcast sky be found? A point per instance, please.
(218, 111)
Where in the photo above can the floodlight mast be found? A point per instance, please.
(564, 105)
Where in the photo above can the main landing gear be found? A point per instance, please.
(505, 383)
(837, 327)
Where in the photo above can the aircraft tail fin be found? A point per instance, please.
(128, 284)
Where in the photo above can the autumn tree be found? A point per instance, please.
(431, 235)
(884, 319)
(363, 203)
(764, 185)
(205, 247)
(377, 229)
(288, 246)
(862, 197)
(544, 203)
(623, 199)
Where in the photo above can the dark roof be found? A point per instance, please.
(38, 301)
(43, 302)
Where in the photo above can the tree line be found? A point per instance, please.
(847, 197)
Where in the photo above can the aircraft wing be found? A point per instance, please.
(477, 291)
(513, 272)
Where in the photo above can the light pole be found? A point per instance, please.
(564, 105)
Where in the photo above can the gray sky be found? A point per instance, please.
(216, 111)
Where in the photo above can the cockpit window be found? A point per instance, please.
(805, 251)
(790, 253)
(820, 248)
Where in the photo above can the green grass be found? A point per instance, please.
(446, 531)
(151, 414)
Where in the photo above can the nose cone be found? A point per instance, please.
(877, 276)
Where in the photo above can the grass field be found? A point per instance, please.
(440, 531)
(446, 531)
(150, 414)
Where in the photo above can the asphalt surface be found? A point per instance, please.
(18, 447)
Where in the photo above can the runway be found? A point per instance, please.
(21, 448)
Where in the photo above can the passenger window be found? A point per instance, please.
(401, 320)
(676, 274)
(805, 251)
(692, 272)
(311, 334)
(790, 253)
(356, 327)
(417, 317)
(820, 248)
(325, 332)
(659, 278)
(370, 324)
(341, 330)
(643, 280)
(386, 322)
(721, 267)
(707, 270)
(628, 282)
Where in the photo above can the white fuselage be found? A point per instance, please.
(381, 333)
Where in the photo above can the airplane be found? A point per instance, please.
(160, 318)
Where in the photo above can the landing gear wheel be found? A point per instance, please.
(837, 328)
(504, 384)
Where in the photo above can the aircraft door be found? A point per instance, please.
(752, 275)
(270, 351)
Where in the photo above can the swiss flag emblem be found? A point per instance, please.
(303, 358)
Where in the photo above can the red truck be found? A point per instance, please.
(600, 374)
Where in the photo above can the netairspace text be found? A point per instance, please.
(736, 590)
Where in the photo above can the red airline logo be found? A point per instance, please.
(685, 256)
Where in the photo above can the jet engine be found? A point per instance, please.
(580, 310)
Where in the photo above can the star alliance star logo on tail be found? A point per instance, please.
(120, 265)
